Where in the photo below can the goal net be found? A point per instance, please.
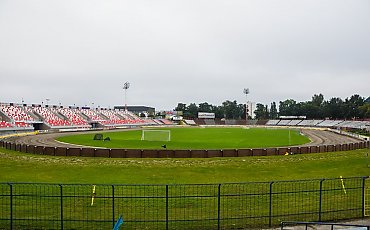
(156, 135)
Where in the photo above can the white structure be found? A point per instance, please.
(251, 108)
(155, 135)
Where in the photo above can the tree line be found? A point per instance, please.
(354, 107)
(228, 109)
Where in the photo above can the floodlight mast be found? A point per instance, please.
(126, 86)
(246, 92)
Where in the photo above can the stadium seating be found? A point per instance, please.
(113, 118)
(294, 122)
(4, 124)
(330, 123)
(73, 115)
(55, 117)
(190, 122)
(50, 118)
(323, 123)
(130, 117)
(16, 113)
(92, 115)
(21, 124)
(166, 122)
(284, 122)
(272, 122)
(209, 122)
(310, 123)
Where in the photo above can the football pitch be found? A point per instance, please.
(193, 138)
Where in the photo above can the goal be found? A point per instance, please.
(156, 135)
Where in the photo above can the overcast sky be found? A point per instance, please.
(82, 52)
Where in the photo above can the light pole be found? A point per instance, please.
(246, 92)
(125, 87)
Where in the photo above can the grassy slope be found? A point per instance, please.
(197, 138)
(19, 167)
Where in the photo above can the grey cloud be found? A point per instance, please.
(79, 52)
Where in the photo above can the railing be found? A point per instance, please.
(198, 206)
(315, 225)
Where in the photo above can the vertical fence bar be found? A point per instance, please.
(167, 206)
(11, 205)
(113, 214)
(320, 201)
(61, 206)
(363, 196)
(219, 207)
(270, 208)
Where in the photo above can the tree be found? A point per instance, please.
(334, 108)
(232, 110)
(261, 112)
(205, 107)
(288, 108)
(273, 111)
(180, 107)
(218, 111)
(352, 106)
(317, 100)
(365, 110)
(191, 111)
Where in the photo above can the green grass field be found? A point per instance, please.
(20, 167)
(196, 138)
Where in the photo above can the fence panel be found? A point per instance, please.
(87, 206)
(5, 206)
(193, 206)
(244, 205)
(200, 206)
(294, 201)
(142, 206)
(342, 199)
(35, 205)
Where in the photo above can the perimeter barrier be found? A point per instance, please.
(317, 225)
(164, 153)
(180, 206)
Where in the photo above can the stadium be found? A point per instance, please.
(58, 131)
(184, 115)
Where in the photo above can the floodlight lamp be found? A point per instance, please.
(126, 85)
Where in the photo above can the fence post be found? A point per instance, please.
(363, 196)
(113, 214)
(61, 206)
(166, 206)
(320, 201)
(11, 205)
(270, 208)
(219, 207)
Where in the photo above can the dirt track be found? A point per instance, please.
(317, 137)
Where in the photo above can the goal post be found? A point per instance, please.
(155, 135)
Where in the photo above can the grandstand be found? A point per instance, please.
(339, 124)
(309, 123)
(19, 117)
(272, 122)
(16, 114)
(22, 117)
(49, 117)
(73, 115)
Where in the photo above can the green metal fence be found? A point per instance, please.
(185, 206)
